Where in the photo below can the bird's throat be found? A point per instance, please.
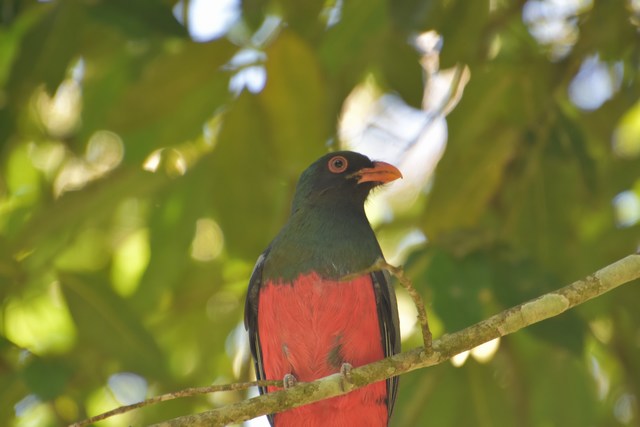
(332, 242)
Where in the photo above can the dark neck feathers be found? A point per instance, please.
(331, 240)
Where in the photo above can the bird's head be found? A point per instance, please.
(340, 178)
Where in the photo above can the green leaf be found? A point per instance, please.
(350, 47)
(295, 96)
(47, 377)
(172, 223)
(48, 47)
(106, 323)
(46, 233)
(468, 177)
(467, 396)
(401, 69)
(41, 56)
(446, 17)
(517, 280)
(572, 400)
(250, 197)
(459, 286)
(138, 19)
(169, 103)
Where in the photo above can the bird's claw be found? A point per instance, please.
(289, 381)
(345, 372)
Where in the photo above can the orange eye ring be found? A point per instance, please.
(338, 164)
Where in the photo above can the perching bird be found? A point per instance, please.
(305, 321)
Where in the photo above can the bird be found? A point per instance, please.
(315, 307)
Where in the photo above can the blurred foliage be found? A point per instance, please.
(107, 267)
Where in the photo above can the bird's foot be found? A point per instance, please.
(289, 381)
(345, 372)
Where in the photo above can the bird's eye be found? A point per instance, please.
(338, 164)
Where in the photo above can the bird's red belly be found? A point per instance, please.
(309, 329)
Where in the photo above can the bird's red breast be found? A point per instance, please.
(309, 328)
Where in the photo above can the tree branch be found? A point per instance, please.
(405, 282)
(188, 392)
(501, 324)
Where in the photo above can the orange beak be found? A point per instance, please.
(380, 172)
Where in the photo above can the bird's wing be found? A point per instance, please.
(389, 326)
(251, 319)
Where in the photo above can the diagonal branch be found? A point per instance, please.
(427, 339)
(504, 323)
(398, 272)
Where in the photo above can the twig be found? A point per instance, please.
(398, 272)
(188, 392)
